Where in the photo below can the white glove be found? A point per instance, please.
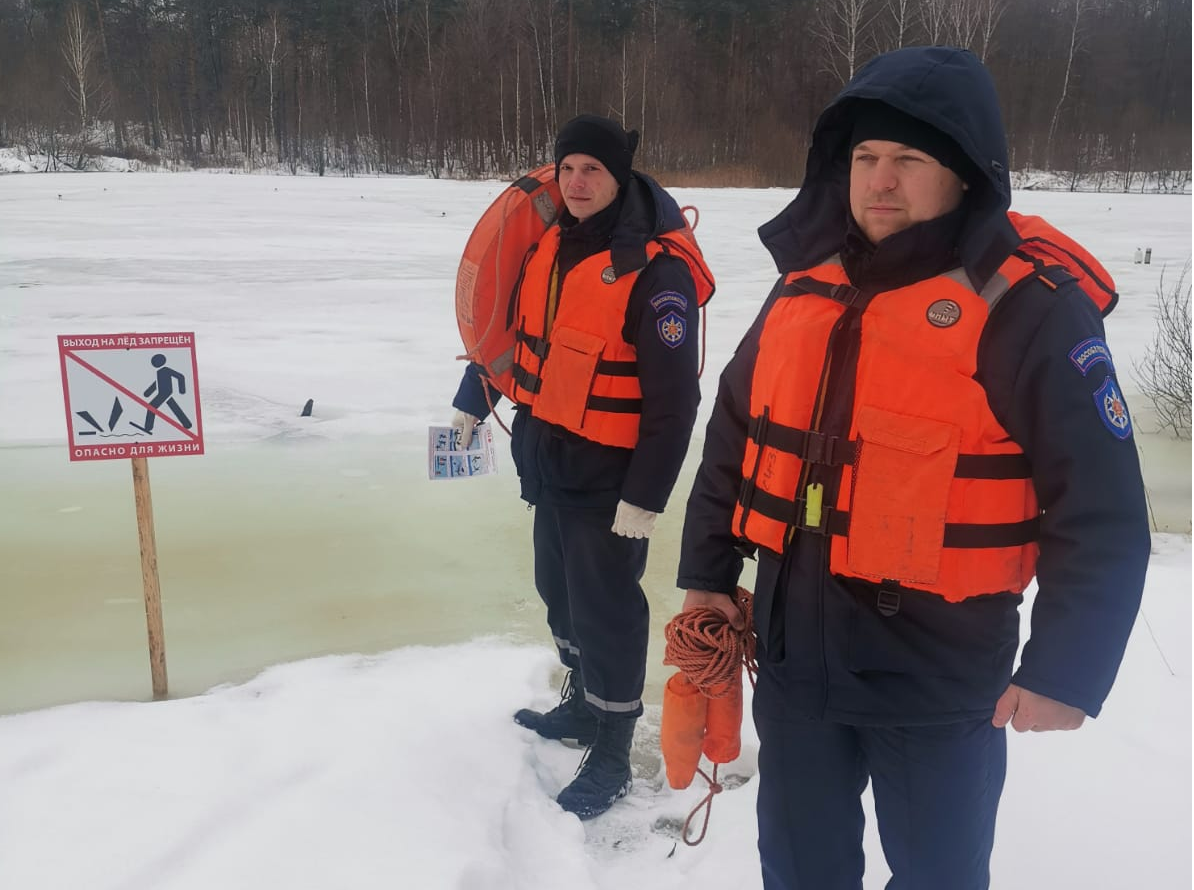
(633, 522)
(464, 424)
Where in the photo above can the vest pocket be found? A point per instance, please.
(900, 494)
(567, 376)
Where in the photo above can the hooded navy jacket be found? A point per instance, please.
(825, 648)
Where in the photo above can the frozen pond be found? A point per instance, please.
(268, 552)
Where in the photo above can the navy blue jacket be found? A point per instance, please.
(557, 466)
(825, 649)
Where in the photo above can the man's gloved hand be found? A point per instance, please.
(633, 522)
(463, 423)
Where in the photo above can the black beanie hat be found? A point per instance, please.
(878, 120)
(601, 138)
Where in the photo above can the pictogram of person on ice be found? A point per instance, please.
(162, 392)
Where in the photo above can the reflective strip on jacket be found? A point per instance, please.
(582, 375)
(932, 493)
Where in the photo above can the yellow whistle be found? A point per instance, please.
(812, 505)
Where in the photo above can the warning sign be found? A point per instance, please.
(131, 395)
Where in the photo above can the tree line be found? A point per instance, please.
(723, 91)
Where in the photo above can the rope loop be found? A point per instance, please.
(706, 804)
(705, 647)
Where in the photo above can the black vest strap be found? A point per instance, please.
(819, 448)
(512, 306)
(617, 369)
(541, 347)
(536, 345)
(958, 535)
(527, 183)
(993, 466)
(833, 521)
(526, 380)
(808, 445)
(615, 406)
(532, 383)
(969, 536)
(845, 294)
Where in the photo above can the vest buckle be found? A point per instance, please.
(846, 294)
(887, 602)
(822, 449)
(745, 548)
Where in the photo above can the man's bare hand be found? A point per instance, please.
(694, 599)
(1030, 711)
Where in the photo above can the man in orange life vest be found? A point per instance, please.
(606, 387)
(919, 421)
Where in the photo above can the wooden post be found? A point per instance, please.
(149, 577)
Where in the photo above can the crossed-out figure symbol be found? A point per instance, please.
(162, 391)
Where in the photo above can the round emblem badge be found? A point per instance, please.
(608, 275)
(944, 313)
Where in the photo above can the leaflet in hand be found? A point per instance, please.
(447, 459)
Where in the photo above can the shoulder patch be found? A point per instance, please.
(1113, 411)
(672, 329)
(669, 299)
(1090, 352)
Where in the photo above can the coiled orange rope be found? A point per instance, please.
(702, 708)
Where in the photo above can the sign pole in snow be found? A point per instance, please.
(149, 577)
(134, 396)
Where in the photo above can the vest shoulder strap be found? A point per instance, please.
(1044, 246)
(682, 243)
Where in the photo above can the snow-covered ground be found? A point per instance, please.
(400, 766)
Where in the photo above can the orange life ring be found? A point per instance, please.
(491, 266)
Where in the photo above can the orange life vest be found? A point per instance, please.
(932, 493)
(582, 375)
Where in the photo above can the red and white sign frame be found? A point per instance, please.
(114, 375)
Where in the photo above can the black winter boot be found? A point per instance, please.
(604, 774)
(569, 721)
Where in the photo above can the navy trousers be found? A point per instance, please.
(588, 578)
(936, 790)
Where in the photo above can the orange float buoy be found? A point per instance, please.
(723, 722)
(682, 730)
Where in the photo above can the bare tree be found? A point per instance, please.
(518, 160)
(79, 49)
(1164, 375)
(842, 27)
(962, 19)
(270, 53)
(545, 56)
(1074, 44)
(624, 84)
(117, 118)
(989, 14)
(651, 23)
(397, 28)
(934, 16)
(398, 31)
(423, 26)
(897, 23)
